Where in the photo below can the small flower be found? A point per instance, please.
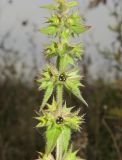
(62, 77)
(59, 120)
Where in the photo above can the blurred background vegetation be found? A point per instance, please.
(101, 136)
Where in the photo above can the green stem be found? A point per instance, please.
(60, 94)
(59, 143)
(59, 100)
(59, 149)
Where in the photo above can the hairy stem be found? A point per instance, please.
(59, 144)
(60, 95)
(59, 149)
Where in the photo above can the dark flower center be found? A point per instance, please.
(62, 77)
(59, 120)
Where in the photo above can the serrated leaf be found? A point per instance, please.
(52, 135)
(49, 30)
(50, 6)
(47, 94)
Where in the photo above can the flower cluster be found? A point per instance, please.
(58, 118)
(52, 78)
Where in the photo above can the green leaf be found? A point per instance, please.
(79, 29)
(47, 94)
(64, 138)
(75, 90)
(49, 30)
(52, 135)
(50, 6)
(72, 4)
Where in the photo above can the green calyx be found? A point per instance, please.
(73, 51)
(59, 123)
(51, 78)
(59, 117)
(65, 25)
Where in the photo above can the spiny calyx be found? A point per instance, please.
(51, 78)
(63, 116)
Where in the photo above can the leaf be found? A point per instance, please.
(50, 6)
(64, 138)
(49, 30)
(52, 135)
(72, 4)
(47, 94)
(75, 90)
(79, 29)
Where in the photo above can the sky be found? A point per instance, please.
(29, 42)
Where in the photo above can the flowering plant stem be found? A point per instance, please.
(58, 118)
